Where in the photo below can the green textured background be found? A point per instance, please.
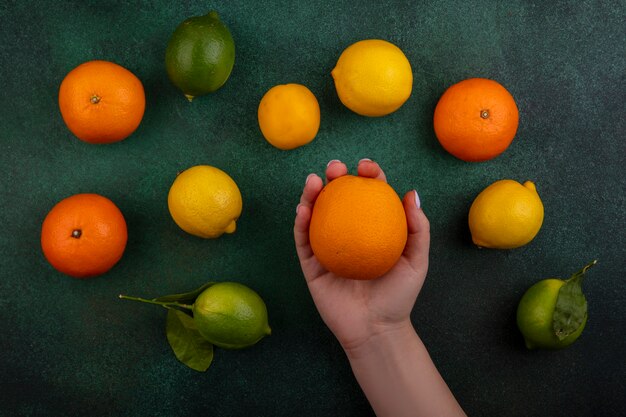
(70, 347)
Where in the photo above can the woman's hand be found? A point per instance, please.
(354, 310)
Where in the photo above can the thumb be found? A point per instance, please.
(418, 239)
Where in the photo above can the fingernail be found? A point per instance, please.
(418, 203)
(298, 208)
(332, 162)
(308, 178)
(364, 160)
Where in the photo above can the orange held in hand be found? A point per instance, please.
(476, 119)
(358, 227)
(101, 102)
(84, 235)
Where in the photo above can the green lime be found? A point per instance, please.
(200, 55)
(553, 312)
(231, 315)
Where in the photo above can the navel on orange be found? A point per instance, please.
(358, 227)
(84, 235)
(476, 119)
(101, 102)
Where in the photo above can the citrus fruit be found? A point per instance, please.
(506, 215)
(84, 235)
(289, 116)
(373, 77)
(200, 55)
(231, 315)
(358, 227)
(204, 201)
(101, 102)
(553, 312)
(476, 119)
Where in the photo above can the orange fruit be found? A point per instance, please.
(476, 119)
(84, 235)
(358, 227)
(101, 102)
(289, 116)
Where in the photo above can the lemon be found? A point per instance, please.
(200, 55)
(204, 201)
(373, 77)
(506, 215)
(231, 315)
(553, 312)
(289, 116)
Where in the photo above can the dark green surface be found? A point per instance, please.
(70, 347)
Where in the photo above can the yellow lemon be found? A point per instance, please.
(204, 201)
(373, 78)
(506, 215)
(289, 116)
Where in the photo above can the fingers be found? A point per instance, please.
(310, 265)
(301, 232)
(418, 239)
(370, 169)
(335, 169)
(312, 188)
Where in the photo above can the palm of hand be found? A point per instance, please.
(355, 310)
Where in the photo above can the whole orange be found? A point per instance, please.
(358, 227)
(476, 119)
(101, 102)
(84, 235)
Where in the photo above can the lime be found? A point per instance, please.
(231, 315)
(553, 312)
(200, 55)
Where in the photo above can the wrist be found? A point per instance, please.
(381, 338)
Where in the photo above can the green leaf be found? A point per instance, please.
(571, 306)
(184, 298)
(188, 345)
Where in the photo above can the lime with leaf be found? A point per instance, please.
(553, 312)
(225, 314)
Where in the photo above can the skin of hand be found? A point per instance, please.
(355, 310)
(371, 319)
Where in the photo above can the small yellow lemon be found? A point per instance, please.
(289, 116)
(373, 77)
(506, 215)
(204, 201)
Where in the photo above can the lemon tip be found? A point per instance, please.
(232, 226)
(530, 185)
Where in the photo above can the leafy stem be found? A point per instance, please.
(578, 276)
(570, 311)
(165, 304)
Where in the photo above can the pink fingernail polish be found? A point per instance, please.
(308, 178)
(365, 160)
(418, 203)
(332, 162)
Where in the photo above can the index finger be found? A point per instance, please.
(370, 169)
